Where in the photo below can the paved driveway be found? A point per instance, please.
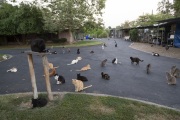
(127, 80)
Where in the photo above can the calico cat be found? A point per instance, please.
(103, 63)
(82, 78)
(170, 79)
(78, 51)
(135, 59)
(155, 54)
(79, 86)
(148, 67)
(12, 70)
(60, 79)
(38, 45)
(105, 76)
(39, 102)
(87, 67)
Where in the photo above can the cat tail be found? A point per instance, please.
(87, 87)
(56, 67)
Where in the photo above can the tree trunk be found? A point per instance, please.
(66, 34)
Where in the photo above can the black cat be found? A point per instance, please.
(78, 51)
(105, 76)
(39, 102)
(82, 78)
(60, 79)
(38, 45)
(116, 45)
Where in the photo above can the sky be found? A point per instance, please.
(117, 12)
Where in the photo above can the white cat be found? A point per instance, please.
(73, 62)
(12, 70)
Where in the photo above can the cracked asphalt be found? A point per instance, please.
(127, 80)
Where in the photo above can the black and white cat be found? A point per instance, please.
(60, 79)
(39, 102)
(82, 78)
(115, 61)
(155, 54)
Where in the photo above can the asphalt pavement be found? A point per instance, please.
(126, 79)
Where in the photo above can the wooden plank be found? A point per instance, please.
(46, 72)
(32, 75)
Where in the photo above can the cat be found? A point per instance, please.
(135, 59)
(103, 63)
(172, 70)
(78, 51)
(170, 79)
(82, 78)
(79, 58)
(73, 62)
(115, 61)
(87, 67)
(102, 46)
(52, 72)
(148, 67)
(14, 69)
(176, 73)
(38, 45)
(105, 76)
(79, 86)
(92, 51)
(116, 45)
(69, 50)
(60, 79)
(39, 102)
(155, 54)
(51, 66)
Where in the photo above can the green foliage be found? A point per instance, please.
(176, 7)
(61, 40)
(70, 14)
(165, 7)
(134, 35)
(24, 19)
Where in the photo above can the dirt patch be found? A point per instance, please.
(146, 47)
(98, 107)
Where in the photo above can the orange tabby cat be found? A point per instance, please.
(87, 67)
(79, 86)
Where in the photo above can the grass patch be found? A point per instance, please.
(75, 44)
(81, 107)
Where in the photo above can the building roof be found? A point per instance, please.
(171, 20)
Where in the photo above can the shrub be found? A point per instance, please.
(61, 40)
(134, 35)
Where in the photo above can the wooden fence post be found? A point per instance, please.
(46, 72)
(32, 75)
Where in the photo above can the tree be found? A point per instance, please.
(176, 7)
(165, 7)
(71, 14)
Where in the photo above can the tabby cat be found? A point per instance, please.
(170, 79)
